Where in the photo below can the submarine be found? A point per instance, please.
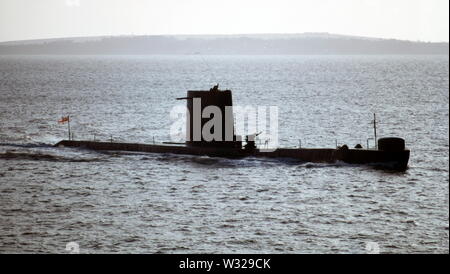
(389, 152)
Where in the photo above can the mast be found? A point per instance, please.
(375, 130)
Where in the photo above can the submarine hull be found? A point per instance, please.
(397, 160)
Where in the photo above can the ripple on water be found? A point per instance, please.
(145, 203)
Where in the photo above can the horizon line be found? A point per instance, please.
(218, 34)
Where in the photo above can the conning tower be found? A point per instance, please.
(203, 106)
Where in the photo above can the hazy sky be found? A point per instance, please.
(425, 20)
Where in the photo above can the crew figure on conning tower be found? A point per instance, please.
(215, 88)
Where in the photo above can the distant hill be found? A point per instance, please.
(306, 43)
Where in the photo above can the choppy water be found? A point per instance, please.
(148, 203)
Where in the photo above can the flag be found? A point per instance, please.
(64, 119)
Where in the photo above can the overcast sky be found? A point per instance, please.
(425, 20)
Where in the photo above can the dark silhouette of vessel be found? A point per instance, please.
(388, 153)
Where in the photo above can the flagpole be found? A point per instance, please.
(68, 125)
